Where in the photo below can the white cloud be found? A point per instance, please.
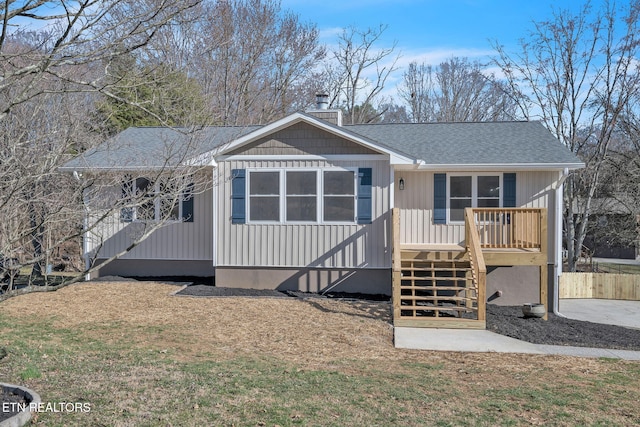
(438, 55)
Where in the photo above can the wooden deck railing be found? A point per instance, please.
(511, 228)
(429, 286)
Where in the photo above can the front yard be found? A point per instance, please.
(141, 357)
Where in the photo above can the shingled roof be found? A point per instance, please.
(155, 147)
(431, 145)
(482, 143)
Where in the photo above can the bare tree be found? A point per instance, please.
(577, 73)
(49, 76)
(358, 72)
(455, 91)
(253, 60)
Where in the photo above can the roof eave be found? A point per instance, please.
(499, 166)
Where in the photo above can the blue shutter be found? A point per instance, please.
(364, 196)
(187, 204)
(238, 190)
(439, 198)
(126, 213)
(509, 193)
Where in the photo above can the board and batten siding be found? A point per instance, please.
(174, 241)
(305, 245)
(533, 190)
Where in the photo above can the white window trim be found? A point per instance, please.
(319, 195)
(474, 190)
(156, 205)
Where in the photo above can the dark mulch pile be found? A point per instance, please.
(556, 330)
(215, 291)
(7, 399)
(505, 320)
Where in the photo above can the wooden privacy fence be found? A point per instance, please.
(600, 285)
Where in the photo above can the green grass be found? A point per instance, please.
(136, 385)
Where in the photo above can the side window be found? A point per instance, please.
(149, 201)
(146, 210)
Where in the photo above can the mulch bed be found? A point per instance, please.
(504, 320)
(216, 291)
(509, 321)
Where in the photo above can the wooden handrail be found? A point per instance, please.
(395, 237)
(476, 259)
(396, 263)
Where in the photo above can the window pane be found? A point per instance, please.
(456, 212)
(264, 183)
(142, 185)
(169, 208)
(338, 182)
(488, 203)
(301, 183)
(264, 208)
(169, 201)
(302, 208)
(460, 186)
(339, 208)
(146, 210)
(489, 186)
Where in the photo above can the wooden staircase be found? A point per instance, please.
(444, 286)
(439, 288)
(436, 288)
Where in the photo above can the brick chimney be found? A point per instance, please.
(322, 110)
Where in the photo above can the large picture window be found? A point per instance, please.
(301, 196)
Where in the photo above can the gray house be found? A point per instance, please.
(442, 215)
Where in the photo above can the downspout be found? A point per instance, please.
(557, 267)
(85, 226)
(215, 178)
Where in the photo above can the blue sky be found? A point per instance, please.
(423, 26)
(432, 31)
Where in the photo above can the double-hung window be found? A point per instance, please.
(465, 191)
(339, 196)
(264, 196)
(301, 195)
(146, 200)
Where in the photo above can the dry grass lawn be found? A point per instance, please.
(141, 356)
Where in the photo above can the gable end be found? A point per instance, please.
(300, 139)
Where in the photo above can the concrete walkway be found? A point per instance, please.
(466, 340)
(622, 313)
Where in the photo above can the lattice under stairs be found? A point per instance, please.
(437, 289)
